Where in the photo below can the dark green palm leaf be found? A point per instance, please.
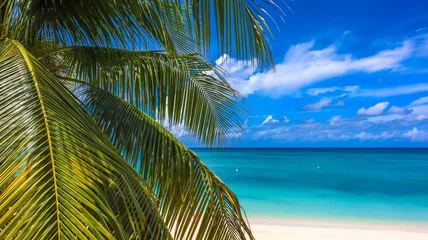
(125, 23)
(238, 25)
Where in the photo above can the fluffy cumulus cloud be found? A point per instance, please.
(416, 135)
(304, 65)
(323, 103)
(363, 136)
(238, 69)
(413, 134)
(375, 110)
(343, 129)
(376, 123)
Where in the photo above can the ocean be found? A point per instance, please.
(375, 185)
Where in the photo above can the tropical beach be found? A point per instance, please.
(328, 193)
(270, 229)
(213, 119)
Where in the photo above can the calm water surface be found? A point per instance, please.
(385, 185)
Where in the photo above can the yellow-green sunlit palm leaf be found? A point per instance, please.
(60, 176)
(194, 202)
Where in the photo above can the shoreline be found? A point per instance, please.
(271, 228)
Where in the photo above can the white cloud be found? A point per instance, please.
(323, 103)
(179, 131)
(394, 120)
(335, 119)
(356, 91)
(413, 134)
(269, 120)
(350, 88)
(386, 118)
(395, 91)
(237, 68)
(303, 65)
(339, 103)
(375, 110)
(422, 47)
(344, 129)
(309, 121)
(318, 91)
(420, 101)
(399, 110)
(420, 109)
(367, 136)
(376, 136)
(319, 105)
(421, 117)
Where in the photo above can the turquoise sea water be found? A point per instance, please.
(382, 185)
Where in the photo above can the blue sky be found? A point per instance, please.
(348, 74)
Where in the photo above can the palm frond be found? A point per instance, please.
(130, 24)
(193, 201)
(239, 27)
(174, 87)
(60, 176)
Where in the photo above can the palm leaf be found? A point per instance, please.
(239, 27)
(194, 202)
(58, 172)
(125, 23)
(177, 88)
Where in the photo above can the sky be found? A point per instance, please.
(347, 74)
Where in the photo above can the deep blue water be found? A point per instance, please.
(385, 185)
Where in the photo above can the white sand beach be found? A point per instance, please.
(278, 229)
